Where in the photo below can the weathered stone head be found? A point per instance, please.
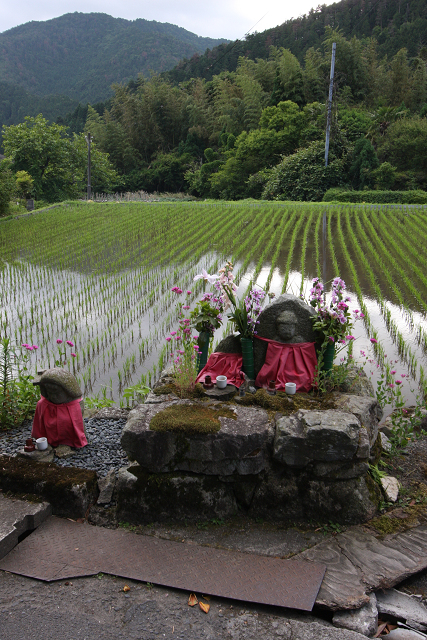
(58, 385)
(287, 319)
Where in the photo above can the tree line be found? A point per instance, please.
(259, 131)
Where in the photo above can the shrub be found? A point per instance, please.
(379, 197)
(7, 186)
(303, 175)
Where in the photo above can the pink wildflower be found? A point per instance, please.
(398, 381)
(373, 340)
(73, 355)
(168, 339)
(59, 341)
(70, 344)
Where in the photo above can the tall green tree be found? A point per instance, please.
(56, 162)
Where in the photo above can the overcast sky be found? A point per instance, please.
(216, 19)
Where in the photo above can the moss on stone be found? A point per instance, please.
(376, 450)
(190, 419)
(375, 494)
(402, 518)
(171, 387)
(55, 484)
(286, 404)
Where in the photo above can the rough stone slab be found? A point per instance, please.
(363, 620)
(358, 383)
(69, 490)
(395, 603)
(17, 517)
(106, 487)
(154, 398)
(366, 409)
(240, 447)
(358, 563)
(221, 394)
(391, 488)
(405, 634)
(319, 436)
(143, 497)
(385, 443)
(64, 451)
(112, 413)
(39, 456)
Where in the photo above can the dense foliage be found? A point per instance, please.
(393, 24)
(256, 129)
(259, 131)
(55, 163)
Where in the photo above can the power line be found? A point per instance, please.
(236, 43)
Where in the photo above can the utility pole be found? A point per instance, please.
(331, 87)
(89, 188)
(328, 130)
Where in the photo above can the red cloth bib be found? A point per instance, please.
(288, 363)
(223, 364)
(59, 423)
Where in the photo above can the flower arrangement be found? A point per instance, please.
(246, 311)
(185, 351)
(333, 321)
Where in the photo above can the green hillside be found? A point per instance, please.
(393, 23)
(81, 55)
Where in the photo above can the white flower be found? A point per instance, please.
(205, 276)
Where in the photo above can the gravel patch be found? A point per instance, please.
(103, 452)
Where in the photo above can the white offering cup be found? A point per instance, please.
(221, 382)
(291, 388)
(41, 444)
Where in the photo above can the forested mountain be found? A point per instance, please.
(258, 129)
(81, 55)
(395, 24)
(16, 103)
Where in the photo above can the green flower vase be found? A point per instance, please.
(248, 357)
(203, 344)
(328, 357)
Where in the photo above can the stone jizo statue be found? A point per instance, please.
(59, 412)
(287, 319)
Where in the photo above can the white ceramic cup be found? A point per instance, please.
(221, 382)
(41, 444)
(291, 388)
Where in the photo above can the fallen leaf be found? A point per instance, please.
(204, 607)
(381, 628)
(206, 597)
(76, 549)
(192, 600)
(126, 588)
(80, 520)
(70, 519)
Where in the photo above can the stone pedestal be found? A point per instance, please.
(310, 465)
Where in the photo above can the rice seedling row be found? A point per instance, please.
(101, 275)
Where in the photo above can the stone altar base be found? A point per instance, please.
(310, 465)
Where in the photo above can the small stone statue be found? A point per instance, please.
(287, 319)
(59, 412)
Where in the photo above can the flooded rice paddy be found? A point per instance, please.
(101, 276)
